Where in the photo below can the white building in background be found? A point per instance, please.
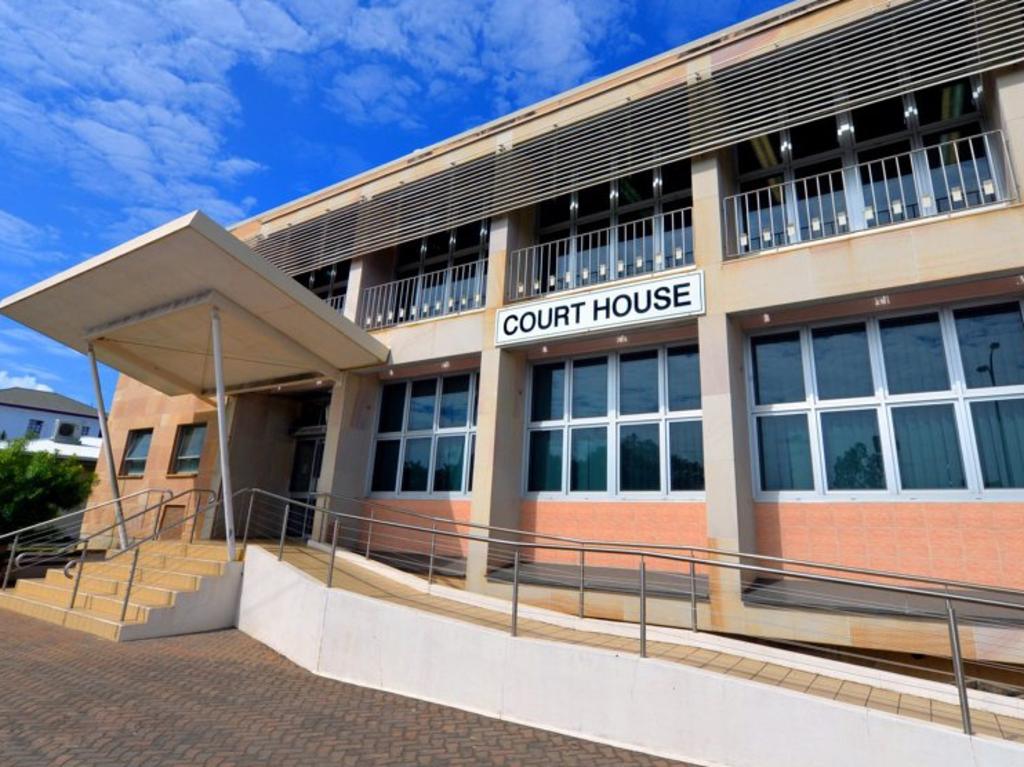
(51, 422)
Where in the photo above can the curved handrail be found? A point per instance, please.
(86, 510)
(83, 541)
(660, 555)
(741, 555)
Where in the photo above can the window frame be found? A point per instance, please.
(612, 421)
(34, 429)
(122, 472)
(405, 434)
(883, 403)
(172, 467)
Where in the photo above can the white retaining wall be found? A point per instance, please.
(655, 706)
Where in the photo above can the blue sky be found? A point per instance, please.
(117, 116)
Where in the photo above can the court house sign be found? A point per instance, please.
(621, 306)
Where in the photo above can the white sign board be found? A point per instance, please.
(636, 303)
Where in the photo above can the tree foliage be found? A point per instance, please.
(36, 486)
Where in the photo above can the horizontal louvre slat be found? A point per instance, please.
(908, 47)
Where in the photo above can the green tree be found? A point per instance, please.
(35, 487)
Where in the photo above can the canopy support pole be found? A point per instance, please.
(101, 411)
(222, 435)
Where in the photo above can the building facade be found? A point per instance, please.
(761, 294)
(35, 415)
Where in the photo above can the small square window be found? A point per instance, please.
(35, 428)
(136, 451)
(188, 447)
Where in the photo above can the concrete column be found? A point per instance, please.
(347, 444)
(497, 468)
(1007, 105)
(730, 506)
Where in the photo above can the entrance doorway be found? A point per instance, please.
(308, 434)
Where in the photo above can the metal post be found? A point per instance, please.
(369, 532)
(583, 577)
(78, 578)
(643, 607)
(10, 560)
(248, 518)
(131, 580)
(433, 548)
(693, 595)
(958, 668)
(101, 412)
(284, 530)
(334, 552)
(515, 593)
(222, 434)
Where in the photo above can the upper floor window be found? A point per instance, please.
(426, 436)
(915, 403)
(188, 447)
(642, 195)
(918, 155)
(34, 429)
(437, 252)
(136, 451)
(616, 424)
(329, 282)
(86, 431)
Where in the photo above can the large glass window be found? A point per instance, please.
(785, 452)
(632, 424)
(778, 371)
(915, 360)
(931, 402)
(188, 447)
(425, 436)
(136, 451)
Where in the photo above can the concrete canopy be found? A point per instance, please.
(146, 307)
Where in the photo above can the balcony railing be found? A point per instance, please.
(337, 303)
(937, 180)
(639, 247)
(427, 296)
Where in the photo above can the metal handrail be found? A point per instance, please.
(80, 512)
(942, 582)
(14, 562)
(645, 246)
(457, 289)
(948, 598)
(934, 180)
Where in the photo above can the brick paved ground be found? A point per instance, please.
(224, 700)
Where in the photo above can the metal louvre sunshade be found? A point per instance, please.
(907, 47)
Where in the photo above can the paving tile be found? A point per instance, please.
(222, 699)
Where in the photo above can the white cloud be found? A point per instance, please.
(133, 98)
(8, 381)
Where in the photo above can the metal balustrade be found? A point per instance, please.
(645, 246)
(421, 543)
(427, 296)
(944, 178)
(337, 303)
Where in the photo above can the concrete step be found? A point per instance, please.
(79, 619)
(151, 596)
(58, 596)
(173, 563)
(209, 551)
(150, 576)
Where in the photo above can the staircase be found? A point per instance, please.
(178, 588)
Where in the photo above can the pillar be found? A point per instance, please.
(727, 471)
(497, 468)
